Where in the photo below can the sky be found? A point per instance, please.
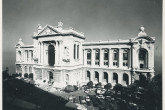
(97, 19)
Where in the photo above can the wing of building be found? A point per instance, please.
(62, 56)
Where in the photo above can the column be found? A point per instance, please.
(101, 57)
(60, 52)
(39, 61)
(29, 56)
(42, 75)
(110, 62)
(120, 78)
(85, 56)
(76, 51)
(93, 57)
(56, 53)
(100, 76)
(110, 76)
(120, 58)
(92, 76)
(129, 58)
(41, 53)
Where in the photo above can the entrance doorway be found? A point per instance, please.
(50, 76)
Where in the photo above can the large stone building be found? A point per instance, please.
(62, 56)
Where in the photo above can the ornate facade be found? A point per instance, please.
(62, 56)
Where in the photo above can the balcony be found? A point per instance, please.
(88, 62)
(146, 69)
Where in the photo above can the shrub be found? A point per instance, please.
(75, 88)
(98, 85)
(69, 88)
(90, 84)
(108, 86)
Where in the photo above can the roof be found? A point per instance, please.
(49, 30)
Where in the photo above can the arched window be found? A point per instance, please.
(19, 55)
(26, 75)
(106, 57)
(30, 69)
(115, 57)
(96, 76)
(97, 57)
(51, 55)
(74, 51)
(88, 76)
(26, 70)
(143, 58)
(106, 77)
(89, 57)
(126, 78)
(115, 77)
(31, 76)
(125, 58)
(50, 76)
(77, 51)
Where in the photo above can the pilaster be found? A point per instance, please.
(110, 62)
(101, 57)
(120, 58)
(93, 57)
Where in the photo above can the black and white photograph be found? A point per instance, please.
(82, 54)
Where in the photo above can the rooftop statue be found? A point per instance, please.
(142, 32)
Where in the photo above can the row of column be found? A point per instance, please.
(28, 57)
(43, 52)
(110, 56)
(110, 78)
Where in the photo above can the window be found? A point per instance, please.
(89, 57)
(97, 57)
(88, 76)
(115, 57)
(125, 58)
(105, 57)
(74, 53)
(51, 55)
(143, 58)
(77, 51)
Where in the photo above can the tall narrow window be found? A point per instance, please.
(97, 57)
(88, 76)
(77, 51)
(125, 58)
(115, 57)
(51, 55)
(143, 58)
(105, 57)
(89, 57)
(74, 51)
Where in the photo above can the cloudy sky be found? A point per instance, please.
(98, 19)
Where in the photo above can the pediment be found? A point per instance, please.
(47, 31)
(143, 39)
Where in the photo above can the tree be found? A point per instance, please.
(118, 87)
(108, 86)
(155, 92)
(69, 88)
(98, 85)
(5, 73)
(90, 84)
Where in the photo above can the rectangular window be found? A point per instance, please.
(115, 56)
(89, 58)
(125, 56)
